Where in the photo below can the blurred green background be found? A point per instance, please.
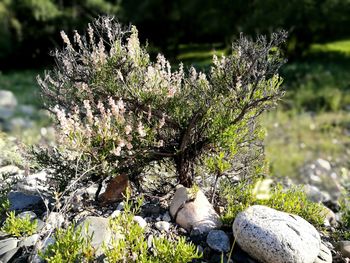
(311, 122)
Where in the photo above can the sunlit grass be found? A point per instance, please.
(342, 46)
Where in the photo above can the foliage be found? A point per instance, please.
(69, 246)
(19, 227)
(130, 245)
(170, 251)
(28, 27)
(5, 188)
(120, 110)
(292, 200)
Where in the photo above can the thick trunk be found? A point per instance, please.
(184, 171)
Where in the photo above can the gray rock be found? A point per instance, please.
(166, 217)
(324, 256)
(9, 169)
(163, 226)
(19, 201)
(315, 194)
(33, 183)
(323, 164)
(142, 222)
(54, 220)
(7, 99)
(120, 206)
(27, 214)
(8, 103)
(19, 123)
(344, 248)
(8, 255)
(29, 241)
(218, 240)
(98, 228)
(115, 213)
(273, 236)
(7, 245)
(28, 110)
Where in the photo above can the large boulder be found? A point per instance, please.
(273, 236)
(193, 210)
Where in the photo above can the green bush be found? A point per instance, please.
(292, 200)
(69, 246)
(121, 111)
(19, 227)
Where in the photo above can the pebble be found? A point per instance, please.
(218, 241)
(163, 226)
(142, 222)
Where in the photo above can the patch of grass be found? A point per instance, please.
(295, 139)
(342, 46)
(199, 56)
(293, 200)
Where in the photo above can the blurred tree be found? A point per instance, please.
(30, 28)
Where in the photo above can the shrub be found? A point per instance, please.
(69, 246)
(118, 109)
(292, 200)
(19, 227)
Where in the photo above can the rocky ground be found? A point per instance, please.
(266, 234)
(258, 234)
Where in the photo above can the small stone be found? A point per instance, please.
(344, 248)
(218, 240)
(166, 217)
(115, 213)
(7, 99)
(29, 241)
(7, 245)
(324, 164)
(163, 226)
(142, 222)
(150, 241)
(8, 103)
(120, 206)
(27, 214)
(9, 169)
